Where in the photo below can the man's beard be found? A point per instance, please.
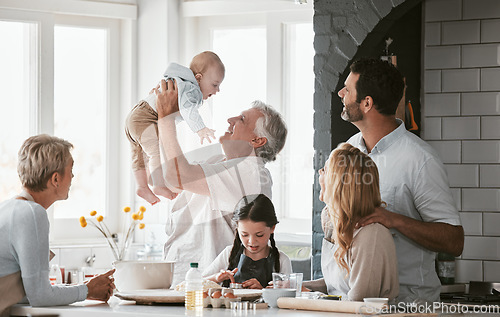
(352, 113)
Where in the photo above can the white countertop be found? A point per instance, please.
(117, 307)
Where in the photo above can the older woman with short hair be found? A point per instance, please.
(45, 169)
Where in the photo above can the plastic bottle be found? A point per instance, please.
(194, 288)
(446, 268)
(55, 275)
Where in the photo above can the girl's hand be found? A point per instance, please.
(225, 275)
(252, 283)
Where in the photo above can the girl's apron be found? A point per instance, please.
(262, 270)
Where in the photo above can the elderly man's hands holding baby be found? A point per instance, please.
(167, 102)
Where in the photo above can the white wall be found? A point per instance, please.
(461, 119)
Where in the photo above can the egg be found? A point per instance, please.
(216, 294)
(229, 295)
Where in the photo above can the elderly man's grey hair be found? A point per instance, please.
(271, 126)
(39, 158)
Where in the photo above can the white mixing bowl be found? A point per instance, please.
(134, 275)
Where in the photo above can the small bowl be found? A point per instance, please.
(134, 275)
(271, 295)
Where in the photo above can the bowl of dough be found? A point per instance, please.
(135, 275)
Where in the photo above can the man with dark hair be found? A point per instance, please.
(419, 210)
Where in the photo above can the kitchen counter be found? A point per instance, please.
(117, 307)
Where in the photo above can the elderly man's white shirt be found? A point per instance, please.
(413, 183)
(200, 227)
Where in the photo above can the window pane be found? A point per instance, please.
(14, 88)
(80, 104)
(299, 114)
(243, 52)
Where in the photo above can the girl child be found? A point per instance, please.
(355, 262)
(251, 260)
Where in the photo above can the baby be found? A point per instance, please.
(198, 82)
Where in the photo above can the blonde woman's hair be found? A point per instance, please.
(203, 61)
(39, 158)
(351, 193)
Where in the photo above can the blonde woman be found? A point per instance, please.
(45, 168)
(356, 263)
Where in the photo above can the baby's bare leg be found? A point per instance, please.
(143, 189)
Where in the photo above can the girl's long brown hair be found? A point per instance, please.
(351, 192)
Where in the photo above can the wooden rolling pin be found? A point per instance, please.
(324, 305)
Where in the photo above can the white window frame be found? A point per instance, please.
(117, 18)
(203, 16)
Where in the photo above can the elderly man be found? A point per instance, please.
(420, 209)
(199, 225)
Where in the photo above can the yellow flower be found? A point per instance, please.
(126, 209)
(141, 216)
(83, 224)
(135, 216)
(141, 226)
(82, 219)
(99, 218)
(93, 213)
(142, 209)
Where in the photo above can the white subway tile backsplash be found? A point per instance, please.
(460, 80)
(491, 224)
(481, 9)
(490, 127)
(481, 151)
(461, 32)
(460, 175)
(490, 78)
(489, 175)
(433, 33)
(443, 10)
(472, 223)
(442, 105)
(439, 57)
(461, 120)
(103, 257)
(481, 55)
(74, 258)
(491, 271)
(461, 128)
(457, 197)
(481, 103)
(467, 270)
(489, 31)
(449, 151)
(485, 248)
(432, 81)
(480, 199)
(432, 128)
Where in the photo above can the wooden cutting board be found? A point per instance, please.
(151, 296)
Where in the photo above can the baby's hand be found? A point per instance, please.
(225, 275)
(206, 133)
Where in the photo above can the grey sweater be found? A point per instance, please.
(24, 232)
